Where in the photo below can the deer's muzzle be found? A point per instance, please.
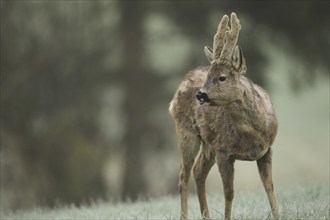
(202, 97)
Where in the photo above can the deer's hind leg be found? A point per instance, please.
(265, 171)
(203, 165)
(189, 144)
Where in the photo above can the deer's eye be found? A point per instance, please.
(222, 78)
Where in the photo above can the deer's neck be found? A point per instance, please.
(253, 114)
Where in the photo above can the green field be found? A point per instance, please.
(296, 202)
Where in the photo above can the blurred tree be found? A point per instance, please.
(137, 105)
(49, 103)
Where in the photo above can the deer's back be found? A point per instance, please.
(184, 103)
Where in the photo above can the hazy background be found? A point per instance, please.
(85, 87)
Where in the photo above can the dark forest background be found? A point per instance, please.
(85, 87)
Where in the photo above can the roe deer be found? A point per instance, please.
(224, 116)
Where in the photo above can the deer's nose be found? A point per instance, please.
(202, 97)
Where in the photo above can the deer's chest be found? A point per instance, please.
(216, 127)
(238, 140)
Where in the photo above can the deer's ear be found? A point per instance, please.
(239, 60)
(209, 53)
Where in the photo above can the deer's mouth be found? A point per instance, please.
(202, 101)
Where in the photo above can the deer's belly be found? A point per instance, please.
(247, 152)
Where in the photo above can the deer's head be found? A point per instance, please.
(223, 85)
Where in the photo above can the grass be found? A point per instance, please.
(298, 202)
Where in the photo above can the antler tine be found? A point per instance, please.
(231, 38)
(219, 37)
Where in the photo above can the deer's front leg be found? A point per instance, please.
(226, 168)
(265, 171)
